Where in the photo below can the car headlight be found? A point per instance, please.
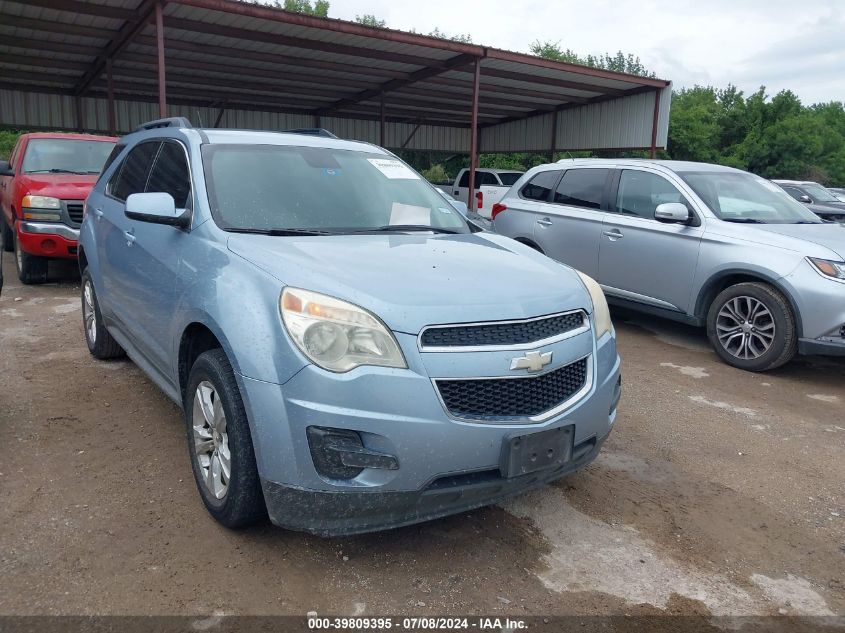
(836, 270)
(601, 313)
(337, 335)
(41, 208)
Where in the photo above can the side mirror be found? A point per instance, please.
(672, 212)
(157, 208)
(805, 199)
(460, 207)
(6, 168)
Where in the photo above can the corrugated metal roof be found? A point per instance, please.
(270, 67)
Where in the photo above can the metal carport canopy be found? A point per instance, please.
(108, 65)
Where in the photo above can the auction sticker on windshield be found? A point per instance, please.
(393, 169)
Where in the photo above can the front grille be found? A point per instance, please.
(508, 398)
(506, 333)
(74, 211)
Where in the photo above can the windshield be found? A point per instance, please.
(508, 178)
(69, 156)
(277, 187)
(744, 197)
(819, 193)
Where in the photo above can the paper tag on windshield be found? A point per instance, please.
(393, 168)
(409, 214)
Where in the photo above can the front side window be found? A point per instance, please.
(794, 192)
(170, 174)
(641, 192)
(743, 197)
(509, 178)
(540, 186)
(132, 175)
(279, 187)
(819, 193)
(65, 156)
(582, 188)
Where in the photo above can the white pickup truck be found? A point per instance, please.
(491, 185)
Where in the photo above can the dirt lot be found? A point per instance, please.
(720, 492)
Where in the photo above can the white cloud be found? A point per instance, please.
(779, 43)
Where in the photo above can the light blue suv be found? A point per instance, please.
(331, 328)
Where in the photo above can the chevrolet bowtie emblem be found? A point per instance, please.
(532, 361)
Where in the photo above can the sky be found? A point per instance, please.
(782, 44)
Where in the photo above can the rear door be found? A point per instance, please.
(569, 226)
(642, 259)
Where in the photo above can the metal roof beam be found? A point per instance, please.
(548, 81)
(53, 47)
(424, 73)
(517, 101)
(84, 8)
(503, 90)
(48, 26)
(124, 36)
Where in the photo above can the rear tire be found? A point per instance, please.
(751, 326)
(220, 443)
(8, 237)
(100, 342)
(31, 268)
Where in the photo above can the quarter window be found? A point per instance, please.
(170, 174)
(640, 192)
(582, 188)
(541, 185)
(132, 175)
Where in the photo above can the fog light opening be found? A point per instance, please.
(340, 453)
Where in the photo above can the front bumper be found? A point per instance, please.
(345, 513)
(48, 239)
(445, 465)
(820, 304)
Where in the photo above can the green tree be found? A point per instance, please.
(620, 62)
(436, 174)
(319, 8)
(369, 19)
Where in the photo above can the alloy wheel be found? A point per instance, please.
(745, 327)
(211, 441)
(89, 313)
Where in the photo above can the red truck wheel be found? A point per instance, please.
(31, 268)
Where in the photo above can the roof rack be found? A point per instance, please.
(176, 121)
(311, 131)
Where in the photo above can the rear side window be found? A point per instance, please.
(540, 186)
(582, 188)
(170, 174)
(487, 179)
(640, 192)
(132, 175)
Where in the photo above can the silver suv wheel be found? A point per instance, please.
(745, 327)
(211, 440)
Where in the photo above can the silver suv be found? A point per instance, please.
(703, 244)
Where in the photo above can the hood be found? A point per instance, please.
(64, 186)
(830, 236)
(410, 281)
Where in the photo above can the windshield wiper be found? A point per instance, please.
(277, 232)
(744, 220)
(807, 222)
(403, 228)
(59, 171)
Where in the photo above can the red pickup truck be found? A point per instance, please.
(42, 191)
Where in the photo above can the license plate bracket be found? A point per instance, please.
(529, 452)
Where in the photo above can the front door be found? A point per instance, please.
(640, 258)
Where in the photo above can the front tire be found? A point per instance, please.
(751, 326)
(100, 342)
(220, 443)
(7, 235)
(31, 268)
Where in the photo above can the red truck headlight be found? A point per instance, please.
(41, 208)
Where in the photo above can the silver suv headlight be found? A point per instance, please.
(601, 313)
(835, 270)
(337, 335)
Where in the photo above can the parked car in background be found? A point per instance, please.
(43, 187)
(316, 309)
(490, 186)
(703, 244)
(473, 216)
(818, 199)
(839, 192)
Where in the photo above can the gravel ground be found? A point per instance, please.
(719, 493)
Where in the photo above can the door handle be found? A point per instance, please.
(613, 234)
(130, 236)
(545, 222)
(98, 213)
